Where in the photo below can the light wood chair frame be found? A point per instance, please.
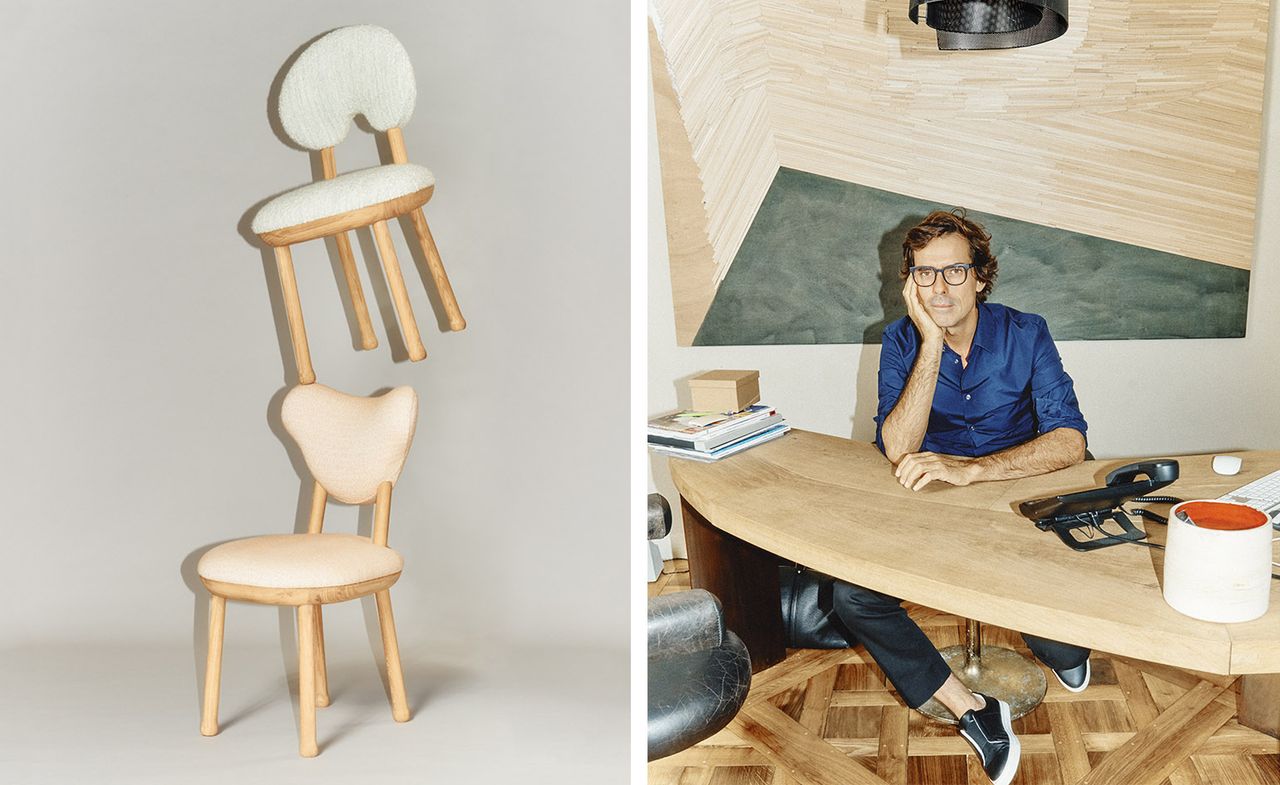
(313, 681)
(337, 226)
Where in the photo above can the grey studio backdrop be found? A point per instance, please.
(147, 351)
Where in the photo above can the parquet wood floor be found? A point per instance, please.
(831, 718)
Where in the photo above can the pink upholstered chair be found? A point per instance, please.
(352, 70)
(355, 448)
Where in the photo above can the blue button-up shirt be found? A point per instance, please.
(1013, 389)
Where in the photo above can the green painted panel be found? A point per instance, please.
(820, 265)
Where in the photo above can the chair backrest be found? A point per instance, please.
(351, 444)
(350, 71)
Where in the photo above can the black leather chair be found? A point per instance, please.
(659, 516)
(659, 527)
(699, 672)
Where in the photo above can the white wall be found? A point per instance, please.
(146, 350)
(1140, 398)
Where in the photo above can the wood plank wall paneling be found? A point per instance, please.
(1142, 124)
(716, 58)
(690, 258)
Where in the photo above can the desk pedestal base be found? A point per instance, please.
(992, 670)
(1260, 702)
(745, 579)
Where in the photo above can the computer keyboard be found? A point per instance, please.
(1263, 493)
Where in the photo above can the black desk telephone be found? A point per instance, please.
(1078, 518)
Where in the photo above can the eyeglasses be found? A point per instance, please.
(953, 274)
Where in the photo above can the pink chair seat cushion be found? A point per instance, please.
(299, 561)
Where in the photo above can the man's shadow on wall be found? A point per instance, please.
(889, 252)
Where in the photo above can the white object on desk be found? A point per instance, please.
(1226, 464)
(1221, 575)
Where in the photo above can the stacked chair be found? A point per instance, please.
(354, 447)
(352, 70)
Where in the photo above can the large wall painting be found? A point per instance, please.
(820, 265)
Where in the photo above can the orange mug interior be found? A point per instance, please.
(1223, 516)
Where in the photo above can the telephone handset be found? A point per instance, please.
(1159, 474)
(1086, 512)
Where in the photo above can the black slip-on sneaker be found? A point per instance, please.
(1074, 679)
(990, 731)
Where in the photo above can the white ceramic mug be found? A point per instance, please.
(1218, 574)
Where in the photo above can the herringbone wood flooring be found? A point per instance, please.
(830, 718)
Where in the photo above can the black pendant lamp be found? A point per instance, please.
(992, 24)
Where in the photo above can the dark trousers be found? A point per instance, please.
(907, 657)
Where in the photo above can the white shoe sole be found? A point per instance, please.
(1015, 749)
(1088, 674)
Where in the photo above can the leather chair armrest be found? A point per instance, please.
(659, 516)
(685, 622)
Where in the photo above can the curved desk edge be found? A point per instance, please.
(760, 547)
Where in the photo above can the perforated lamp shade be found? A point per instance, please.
(992, 24)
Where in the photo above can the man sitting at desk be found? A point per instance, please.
(969, 391)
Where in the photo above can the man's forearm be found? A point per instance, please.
(903, 430)
(1047, 452)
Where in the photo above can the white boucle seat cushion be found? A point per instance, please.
(342, 194)
(299, 561)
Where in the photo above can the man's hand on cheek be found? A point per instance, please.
(917, 469)
(912, 296)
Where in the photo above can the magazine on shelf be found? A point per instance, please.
(726, 450)
(721, 437)
(691, 424)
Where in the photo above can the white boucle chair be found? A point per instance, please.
(349, 71)
(355, 448)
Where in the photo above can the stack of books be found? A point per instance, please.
(705, 436)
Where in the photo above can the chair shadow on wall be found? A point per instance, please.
(421, 687)
(889, 251)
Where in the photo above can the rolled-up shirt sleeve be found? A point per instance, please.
(896, 357)
(1052, 391)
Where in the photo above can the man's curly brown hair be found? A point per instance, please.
(941, 222)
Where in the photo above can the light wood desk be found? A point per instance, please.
(834, 505)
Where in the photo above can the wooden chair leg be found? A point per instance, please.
(213, 666)
(391, 650)
(367, 339)
(307, 681)
(395, 280)
(322, 671)
(436, 267)
(293, 309)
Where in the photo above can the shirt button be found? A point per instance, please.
(967, 396)
(971, 427)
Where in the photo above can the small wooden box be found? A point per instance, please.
(724, 391)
